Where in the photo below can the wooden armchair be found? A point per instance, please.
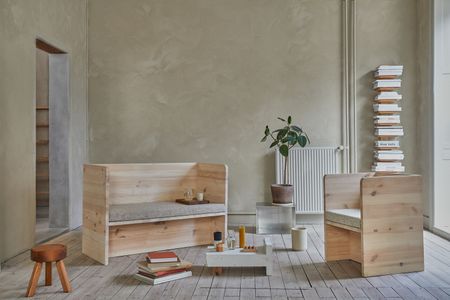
(374, 220)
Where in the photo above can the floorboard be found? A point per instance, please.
(296, 275)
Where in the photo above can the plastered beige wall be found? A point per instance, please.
(198, 80)
(399, 33)
(388, 36)
(62, 23)
(177, 81)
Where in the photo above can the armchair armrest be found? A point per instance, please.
(392, 224)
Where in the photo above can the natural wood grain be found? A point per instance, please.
(391, 219)
(95, 242)
(342, 190)
(112, 184)
(34, 279)
(390, 240)
(146, 237)
(63, 276)
(91, 280)
(48, 273)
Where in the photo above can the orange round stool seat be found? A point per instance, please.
(48, 253)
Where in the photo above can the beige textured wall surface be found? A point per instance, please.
(62, 23)
(386, 37)
(399, 33)
(425, 105)
(177, 81)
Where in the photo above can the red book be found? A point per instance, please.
(162, 257)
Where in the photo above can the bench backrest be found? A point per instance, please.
(137, 183)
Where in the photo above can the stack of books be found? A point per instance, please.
(387, 155)
(160, 267)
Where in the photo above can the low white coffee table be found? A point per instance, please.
(236, 258)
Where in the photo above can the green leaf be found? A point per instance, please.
(284, 150)
(281, 133)
(289, 120)
(292, 134)
(302, 140)
(267, 130)
(264, 139)
(273, 144)
(290, 140)
(296, 128)
(307, 137)
(281, 119)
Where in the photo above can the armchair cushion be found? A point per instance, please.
(154, 210)
(348, 216)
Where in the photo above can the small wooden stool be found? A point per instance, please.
(47, 254)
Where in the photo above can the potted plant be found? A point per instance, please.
(285, 138)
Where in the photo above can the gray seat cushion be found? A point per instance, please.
(349, 216)
(153, 210)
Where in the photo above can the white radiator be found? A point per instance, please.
(306, 168)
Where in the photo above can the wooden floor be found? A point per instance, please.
(297, 275)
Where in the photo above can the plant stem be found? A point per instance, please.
(285, 170)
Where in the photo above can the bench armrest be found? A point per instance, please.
(95, 238)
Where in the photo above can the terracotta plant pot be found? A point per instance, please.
(282, 193)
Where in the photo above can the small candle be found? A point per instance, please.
(242, 236)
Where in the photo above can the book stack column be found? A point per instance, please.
(388, 157)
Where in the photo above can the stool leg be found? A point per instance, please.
(48, 273)
(34, 279)
(63, 276)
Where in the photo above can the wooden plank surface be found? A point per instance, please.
(391, 221)
(297, 275)
(95, 242)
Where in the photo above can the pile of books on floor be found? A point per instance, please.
(387, 155)
(160, 267)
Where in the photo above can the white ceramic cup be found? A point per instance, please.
(200, 196)
(299, 238)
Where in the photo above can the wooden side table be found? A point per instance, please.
(48, 254)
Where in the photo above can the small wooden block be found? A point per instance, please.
(249, 249)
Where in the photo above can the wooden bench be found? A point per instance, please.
(376, 221)
(130, 208)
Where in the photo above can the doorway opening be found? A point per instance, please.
(52, 141)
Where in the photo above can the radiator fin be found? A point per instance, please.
(306, 168)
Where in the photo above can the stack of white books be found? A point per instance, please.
(387, 144)
(385, 120)
(392, 131)
(388, 71)
(385, 108)
(387, 96)
(387, 84)
(387, 155)
(391, 167)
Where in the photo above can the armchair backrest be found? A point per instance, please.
(343, 190)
